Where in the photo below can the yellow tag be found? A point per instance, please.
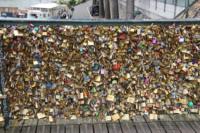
(98, 78)
(155, 91)
(110, 45)
(44, 33)
(110, 98)
(128, 76)
(151, 100)
(130, 99)
(183, 101)
(115, 117)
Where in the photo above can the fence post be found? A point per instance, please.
(175, 5)
(187, 7)
(165, 2)
(156, 4)
(4, 105)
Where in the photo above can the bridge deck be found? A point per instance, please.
(166, 124)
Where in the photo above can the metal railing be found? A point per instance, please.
(182, 3)
(99, 22)
(18, 22)
(4, 103)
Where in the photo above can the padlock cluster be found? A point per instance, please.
(106, 72)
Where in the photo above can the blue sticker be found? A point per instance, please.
(49, 85)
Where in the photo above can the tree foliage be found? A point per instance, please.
(68, 2)
(72, 2)
(65, 2)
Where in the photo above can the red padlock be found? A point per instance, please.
(116, 67)
(122, 36)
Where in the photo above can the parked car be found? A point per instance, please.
(7, 14)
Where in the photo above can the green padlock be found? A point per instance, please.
(190, 104)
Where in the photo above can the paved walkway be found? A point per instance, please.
(139, 124)
(82, 11)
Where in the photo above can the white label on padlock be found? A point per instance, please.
(35, 62)
(69, 75)
(81, 96)
(50, 119)
(181, 39)
(25, 111)
(108, 118)
(90, 43)
(177, 111)
(73, 117)
(126, 117)
(102, 71)
(153, 117)
(41, 115)
(194, 110)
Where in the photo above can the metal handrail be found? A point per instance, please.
(17, 21)
(186, 9)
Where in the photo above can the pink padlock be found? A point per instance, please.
(154, 41)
